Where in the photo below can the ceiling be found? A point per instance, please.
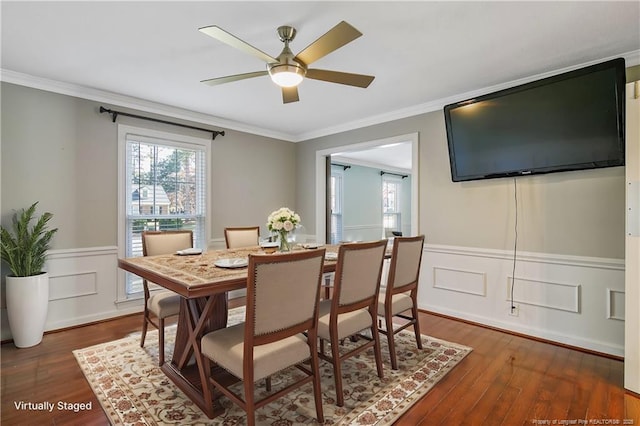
(390, 157)
(151, 56)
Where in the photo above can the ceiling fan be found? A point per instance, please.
(288, 70)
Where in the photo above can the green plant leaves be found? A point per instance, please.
(25, 249)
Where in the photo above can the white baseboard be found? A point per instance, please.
(590, 344)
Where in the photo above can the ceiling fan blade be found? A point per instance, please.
(290, 94)
(333, 39)
(230, 78)
(358, 80)
(233, 41)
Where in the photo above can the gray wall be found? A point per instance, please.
(60, 151)
(573, 213)
(251, 177)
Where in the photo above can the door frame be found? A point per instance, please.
(321, 155)
(632, 240)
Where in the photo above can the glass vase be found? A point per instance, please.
(285, 245)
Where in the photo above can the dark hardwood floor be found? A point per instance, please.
(506, 380)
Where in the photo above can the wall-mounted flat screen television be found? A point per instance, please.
(570, 121)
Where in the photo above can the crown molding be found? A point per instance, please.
(116, 99)
(631, 58)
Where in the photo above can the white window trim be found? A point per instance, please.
(174, 139)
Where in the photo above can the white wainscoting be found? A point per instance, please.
(471, 282)
(573, 300)
(82, 288)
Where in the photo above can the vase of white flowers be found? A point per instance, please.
(282, 222)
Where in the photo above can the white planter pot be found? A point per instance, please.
(27, 304)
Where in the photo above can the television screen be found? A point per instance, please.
(570, 121)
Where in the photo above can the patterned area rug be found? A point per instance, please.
(133, 390)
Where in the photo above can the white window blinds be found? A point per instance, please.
(165, 189)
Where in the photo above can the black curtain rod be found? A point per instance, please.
(395, 174)
(115, 114)
(344, 166)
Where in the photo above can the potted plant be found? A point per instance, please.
(24, 248)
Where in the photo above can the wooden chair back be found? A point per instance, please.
(272, 313)
(404, 269)
(357, 277)
(237, 237)
(165, 242)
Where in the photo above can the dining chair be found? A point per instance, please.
(401, 292)
(237, 237)
(162, 304)
(353, 306)
(279, 331)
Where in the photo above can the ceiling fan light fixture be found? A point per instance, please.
(288, 70)
(287, 75)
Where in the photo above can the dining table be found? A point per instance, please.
(203, 281)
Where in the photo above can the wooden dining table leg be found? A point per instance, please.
(216, 320)
(197, 317)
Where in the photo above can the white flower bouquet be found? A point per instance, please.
(283, 221)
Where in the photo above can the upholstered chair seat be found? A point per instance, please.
(164, 304)
(349, 323)
(399, 303)
(227, 347)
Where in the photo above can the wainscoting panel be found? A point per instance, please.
(565, 297)
(82, 288)
(471, 282)
(73, 285)
(615, 304)
(578, 301)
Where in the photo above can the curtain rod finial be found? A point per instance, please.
(114, 114)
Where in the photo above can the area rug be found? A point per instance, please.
(133, 390)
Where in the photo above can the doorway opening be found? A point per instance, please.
(393, 156)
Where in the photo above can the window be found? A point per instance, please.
(391, 216)
(336, 205)
(163, 187)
